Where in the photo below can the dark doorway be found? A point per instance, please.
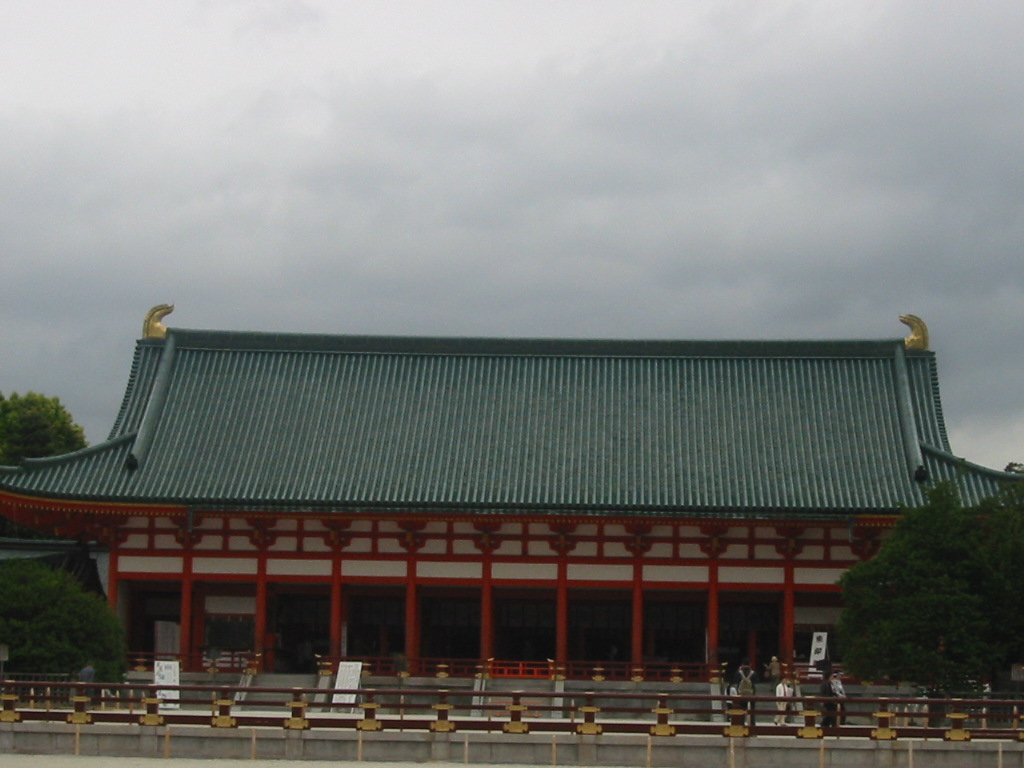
(301, 623)
(154, 612)
(600, 626)
(675, 628)
(450, 625)
(376, 623)
(748, 628)
(524, 625)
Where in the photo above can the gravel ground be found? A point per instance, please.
(70, 761)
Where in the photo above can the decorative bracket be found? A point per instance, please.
(714, 544)
(261, 535)
(562, 542)
(641, 542)
(412, 537)
(487, 542)
(790, 546)
(337, 536)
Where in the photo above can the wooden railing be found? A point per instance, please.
(510, 711)
(394, 666)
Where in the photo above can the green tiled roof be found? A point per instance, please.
(258, 421)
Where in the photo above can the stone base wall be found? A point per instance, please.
(482, 748)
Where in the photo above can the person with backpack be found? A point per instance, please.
(745, 688)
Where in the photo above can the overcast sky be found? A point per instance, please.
(633, 169)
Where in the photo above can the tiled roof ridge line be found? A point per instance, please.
(908, 424)
(155, 406)
(952, 458)
(65, 458)
(252, 341)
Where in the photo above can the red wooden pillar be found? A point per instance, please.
(712, 635)
(112, 582)
(412, 616)
(260, 620)
(197, 617)
(337, 608)
(185, 617)
(562, 612)
(486, 613)
(786, 639)
(637, 639)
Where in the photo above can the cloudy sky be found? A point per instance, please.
(715, 169)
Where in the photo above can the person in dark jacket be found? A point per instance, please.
(832, 691)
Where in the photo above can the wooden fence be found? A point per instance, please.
(510, 711)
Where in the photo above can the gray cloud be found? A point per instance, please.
(640, 169)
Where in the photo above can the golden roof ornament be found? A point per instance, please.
(918, 338)
(152, 328)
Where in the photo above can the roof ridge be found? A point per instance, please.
(64, 458)
(527, 346)
(951, 458)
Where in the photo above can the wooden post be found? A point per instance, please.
(515, 723)
(80, 715)
(809, 730)
(737, 727)
(369, 721)
(662, 711)
(957, 732)
(884, 731)
(297, 721)
(222, 717)
(442, 707)
(152, 716)
(9, 712)
(589, 726)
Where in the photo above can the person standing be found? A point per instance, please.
(87, 674)
(773, 671)
(832, 691)
(784, 690)
(745, 688)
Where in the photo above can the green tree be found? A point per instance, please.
(941, 603)
(51, 624)
(33, 426)
(1001, 557)
(921, 610)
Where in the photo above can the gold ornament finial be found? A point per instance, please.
(918, 338)
(152, 328)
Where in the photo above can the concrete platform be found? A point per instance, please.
(392, 747)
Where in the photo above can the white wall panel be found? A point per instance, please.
(817, 575)
(547, 571)
(282, 567)
(449, 570)
(373, 568)
(241, 566)
(134, 564)
(676, 573)
(738, 575)
(579, 572)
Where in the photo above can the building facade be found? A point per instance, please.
(422, 500)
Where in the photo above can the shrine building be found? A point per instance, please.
(408, 501)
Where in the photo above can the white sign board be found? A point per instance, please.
(167, 673)
(819, 647)
(348, 678)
